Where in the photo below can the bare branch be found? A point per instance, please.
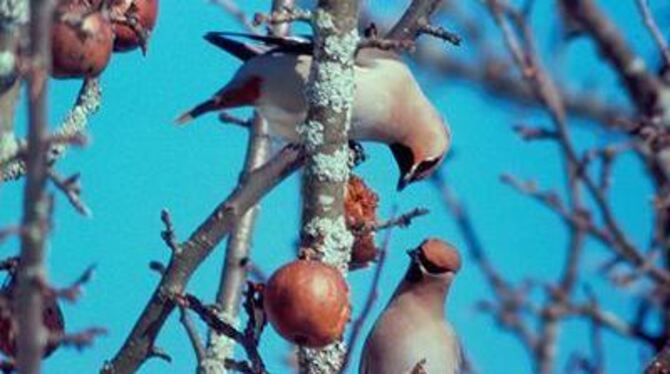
(414, 19)
(83, 339)
(202, 241)
(238, 249)
(492, 75)
(661, 363)
(643, 88)
(373, 295)
(287, 14)
(324, 235)
(657, 35)
(158, 267)
(534, 133)
(386, 44)
(612, 237)
(441, 33)
(72, 189)
(72, 292)
(404, 220)
(209, 316)
(231, 7)
(509, 300)
(7, 232)
(74, 124)
(168, 235)
(37, 207)
(192, 334)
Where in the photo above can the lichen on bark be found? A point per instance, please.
(329, 93)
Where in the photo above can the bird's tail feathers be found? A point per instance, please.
(198, 110)
(242, 51)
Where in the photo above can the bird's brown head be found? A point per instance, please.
(421, 154)
(413, 169)
(433, 257)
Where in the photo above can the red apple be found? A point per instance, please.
(81, 41)
(133, 22)
(307, 302)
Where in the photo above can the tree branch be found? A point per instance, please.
(32, 335)
(415, 18)
(643, 87)
(661, 363)
(324, 133)
(247, 340)
(192, 334)
(492, 75)
(238, 249)
(12, 166)
(13, 16)
(193, 252)
(657, 35)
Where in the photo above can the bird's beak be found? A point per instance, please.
(403, 181)
(413, 254)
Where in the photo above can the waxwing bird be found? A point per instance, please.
(389, 106)
(412, 328)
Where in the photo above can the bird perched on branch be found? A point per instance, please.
(389, 106)
(412, 328)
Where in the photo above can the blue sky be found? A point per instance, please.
(139, 163)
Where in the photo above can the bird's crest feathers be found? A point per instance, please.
(438, 256)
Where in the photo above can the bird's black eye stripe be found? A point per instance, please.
(414, 274)
(426, 165)
(403, 156)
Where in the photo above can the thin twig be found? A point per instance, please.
(441, 33)
(661, 363)
(622, 247)
(386, 44)
(73, 126)
(138, 345)
(7, 232)
(657, 35)
(192, 333)
(73, 291)
(168, 234)
(642, 87)
(238, 249)
(71, 188)
(509, 301)
(403, 220)
(212, 320)
(373, 295)
(81, 340)
(414, 19)
(285, 15)
(229, 6)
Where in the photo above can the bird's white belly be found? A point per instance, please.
(436, 359)
(399, 353)
(282, 123)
